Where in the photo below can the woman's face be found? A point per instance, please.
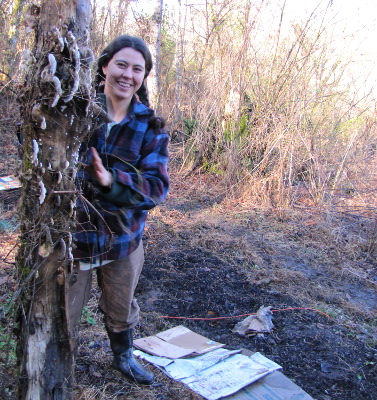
(124, 74)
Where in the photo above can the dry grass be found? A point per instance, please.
(317, 257)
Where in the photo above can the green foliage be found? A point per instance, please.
(7, 347)
(189, 126)
(7, 341)
(167, 42)
(237, 129)
(87, 317)
(7, 307)
(215, 168)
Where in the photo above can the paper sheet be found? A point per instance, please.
(217, 374)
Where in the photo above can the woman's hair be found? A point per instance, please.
(118, 44)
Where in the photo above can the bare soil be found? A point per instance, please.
(210, 256)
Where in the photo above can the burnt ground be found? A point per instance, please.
(211, 256)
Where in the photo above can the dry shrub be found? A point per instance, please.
(257, 99)
(272, 114)
(261, 101)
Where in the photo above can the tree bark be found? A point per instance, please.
(56, 108)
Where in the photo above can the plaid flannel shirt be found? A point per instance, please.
(111, 223)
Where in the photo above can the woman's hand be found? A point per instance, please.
(98, 171)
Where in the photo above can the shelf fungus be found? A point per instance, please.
(42, 196)
(60, 177)
(48, 75)
(34, 156)
(75, 58)
(43, 123)
(59, 42)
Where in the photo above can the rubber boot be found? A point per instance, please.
(121, 344)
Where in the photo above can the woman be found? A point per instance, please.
(125, 175)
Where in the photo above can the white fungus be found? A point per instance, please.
(58, 90)
(52, 62)
(34, 157)
(43, 192)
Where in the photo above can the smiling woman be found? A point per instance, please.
(125, 175)
(124, 75)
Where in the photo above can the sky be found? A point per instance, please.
(355, 27)
(357, 17)
(354, 24)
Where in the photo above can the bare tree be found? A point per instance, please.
(57, 111)
(180, 27)
(149, 27)
(158, 19)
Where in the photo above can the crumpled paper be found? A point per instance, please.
(255, 324)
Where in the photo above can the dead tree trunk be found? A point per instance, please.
(56, 107)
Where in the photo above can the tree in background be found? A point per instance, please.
(57, 114)
(10, 18)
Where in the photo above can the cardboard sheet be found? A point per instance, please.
(158, 347)
(217, 373)
(176, 342)
(274, 386)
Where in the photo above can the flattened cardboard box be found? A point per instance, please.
(176, 342)
(274, 386)
(181, 342)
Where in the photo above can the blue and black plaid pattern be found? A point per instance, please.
(137, 156)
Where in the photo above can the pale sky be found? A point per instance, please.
(353, 22)
(358, 18)
(355, 26)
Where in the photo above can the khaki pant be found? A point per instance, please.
(117, 281)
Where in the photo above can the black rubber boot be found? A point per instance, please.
(124, 361)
